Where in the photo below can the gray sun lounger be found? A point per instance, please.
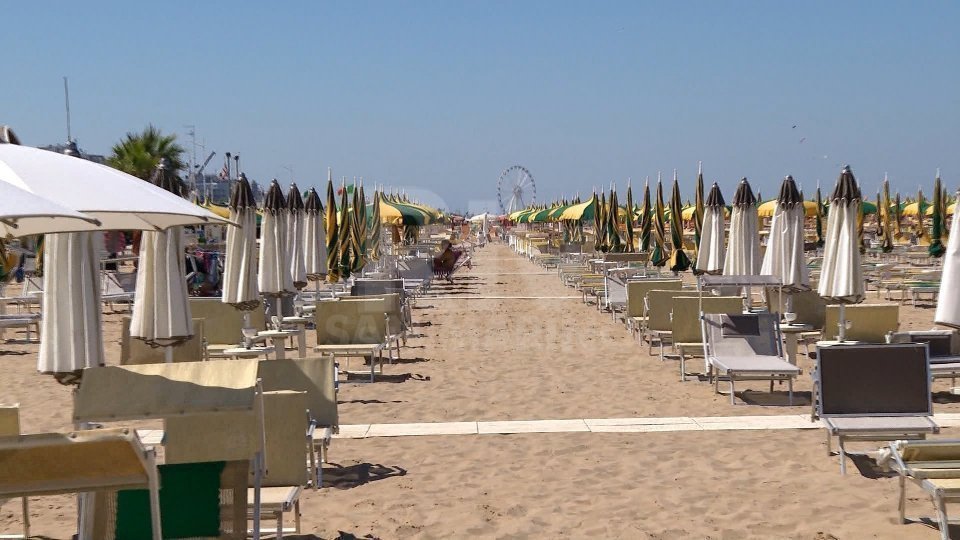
(746, 347)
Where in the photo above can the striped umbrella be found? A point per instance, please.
(819, 216)
(296, 218)
(710, 251)
(274, 277)
(628, 221)
(346, 241)
(333, 233)
(883, 218)
(897, 218)
(743, 249)
(598, 223)
(376, 227)
(698, 208)
(679, 261)
(239, 275)
(645, 218)
(659, 256)
(936, 248)
(613, 235)
(314, 237)
(358, 231)
(921, 230)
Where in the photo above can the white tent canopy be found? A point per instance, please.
(23, 214)
(120, 201)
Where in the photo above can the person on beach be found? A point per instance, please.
(444, 262)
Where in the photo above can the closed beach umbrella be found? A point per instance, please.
(936, 248)
(659, 256)
(314, 237)
(273, 276)
(710, 252)
(646, 216)
(921, 229)
(239, 272)
(743, 250)
(897, 218)
(886, 225)
(698, 209)
(346, 241)
(613, 212)
(295, 237)
(161, 308)
(628, 221)
(333, 233)
(819, 217)
(784, 256)
(678, 258)
(598, 223)
(358, 230)
(376, 227)
(948, 300)
(841, 276)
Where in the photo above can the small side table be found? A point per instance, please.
(242, 352)
(301, 324)
(790, 333)
(278, 338)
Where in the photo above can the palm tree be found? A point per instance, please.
(139, 153)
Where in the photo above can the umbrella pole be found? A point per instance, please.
(842, 323)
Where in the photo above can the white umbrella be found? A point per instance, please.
(120, 201)
(295, 237)
(743, 250)
(710, 256)
(314, 237)
(71, 329)
(841, 275)
(161, 308)
(239, 275)
(784, 256)
(948, 300)
(274, 278)
(23, 214)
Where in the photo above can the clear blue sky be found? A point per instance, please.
(443, 95)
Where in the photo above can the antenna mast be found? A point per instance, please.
(66, 96)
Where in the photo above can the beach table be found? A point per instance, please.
(917, 290)
(790, 334)
(278, 338)
(238, 353)
(301, 332)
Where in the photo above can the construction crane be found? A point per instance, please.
(199, 174)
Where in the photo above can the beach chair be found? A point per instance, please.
(658, 312)
(30, 322)
(868, 323)
(117, 287)
(944, 348)
(223, 323)
(10, 427)
(352, 328)
(935, 467)
(80, 462)
(636, 294)
(810, 308)
(396, 327)
(746, 347)
(135, 351)
(318, 378)
(873, 393)
(687, 330)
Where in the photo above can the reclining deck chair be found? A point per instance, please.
(318, 378)
(396, 326)
(637, 290)
(809, 307)
(223, 323)
(873, 393)
(352, 328)
(746, 347)
(935, 467)
(869, 323)
(944, 347)
(135, 351)
(658, 315)
(10, 427)
(687, 331)
(79, 462)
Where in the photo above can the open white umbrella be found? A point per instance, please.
(239, 273)
(841, 275)
(274, 278)
(948, 300)
(161, 308)
(784, 256)
(743, 250)
(710, 256)
(120, 201)
(23, 214)
(295, 236)
(314, 237)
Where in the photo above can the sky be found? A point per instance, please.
(438, 98)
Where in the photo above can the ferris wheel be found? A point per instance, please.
(515, 189)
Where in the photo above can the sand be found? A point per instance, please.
(481, 354)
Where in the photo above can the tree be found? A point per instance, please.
(139, 153)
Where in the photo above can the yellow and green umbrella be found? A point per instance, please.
(698, 208)
(819, 216)
(679, 261)
(937, 248)
(645, 217)
(659, 255)
(897, 218)
(613, 235)
(346, 242)
(883, 219)
(580, 210)
(376, 227)
(333, 233)
(358, 231)
(628, 222)
(918, 210)
(599, 224)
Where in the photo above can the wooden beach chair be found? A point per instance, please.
(935, 467)
(637, 290)
(352, 328)
(873, 393)
(869, 323)
(746, 347)
(686, 326)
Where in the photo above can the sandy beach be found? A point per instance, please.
(507, 341)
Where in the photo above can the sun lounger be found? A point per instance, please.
(135, 351)
(10, 427)
(935, 467)
(688, 331)
(223, 324)
(117, 287)
(944, 347)
(396, 327)
(809, 307)
(30, 322)
(658, 307)
(352, 328)
(868, 323)
(79, 462)
(636, 294)
(746, 347)
(873, 393)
